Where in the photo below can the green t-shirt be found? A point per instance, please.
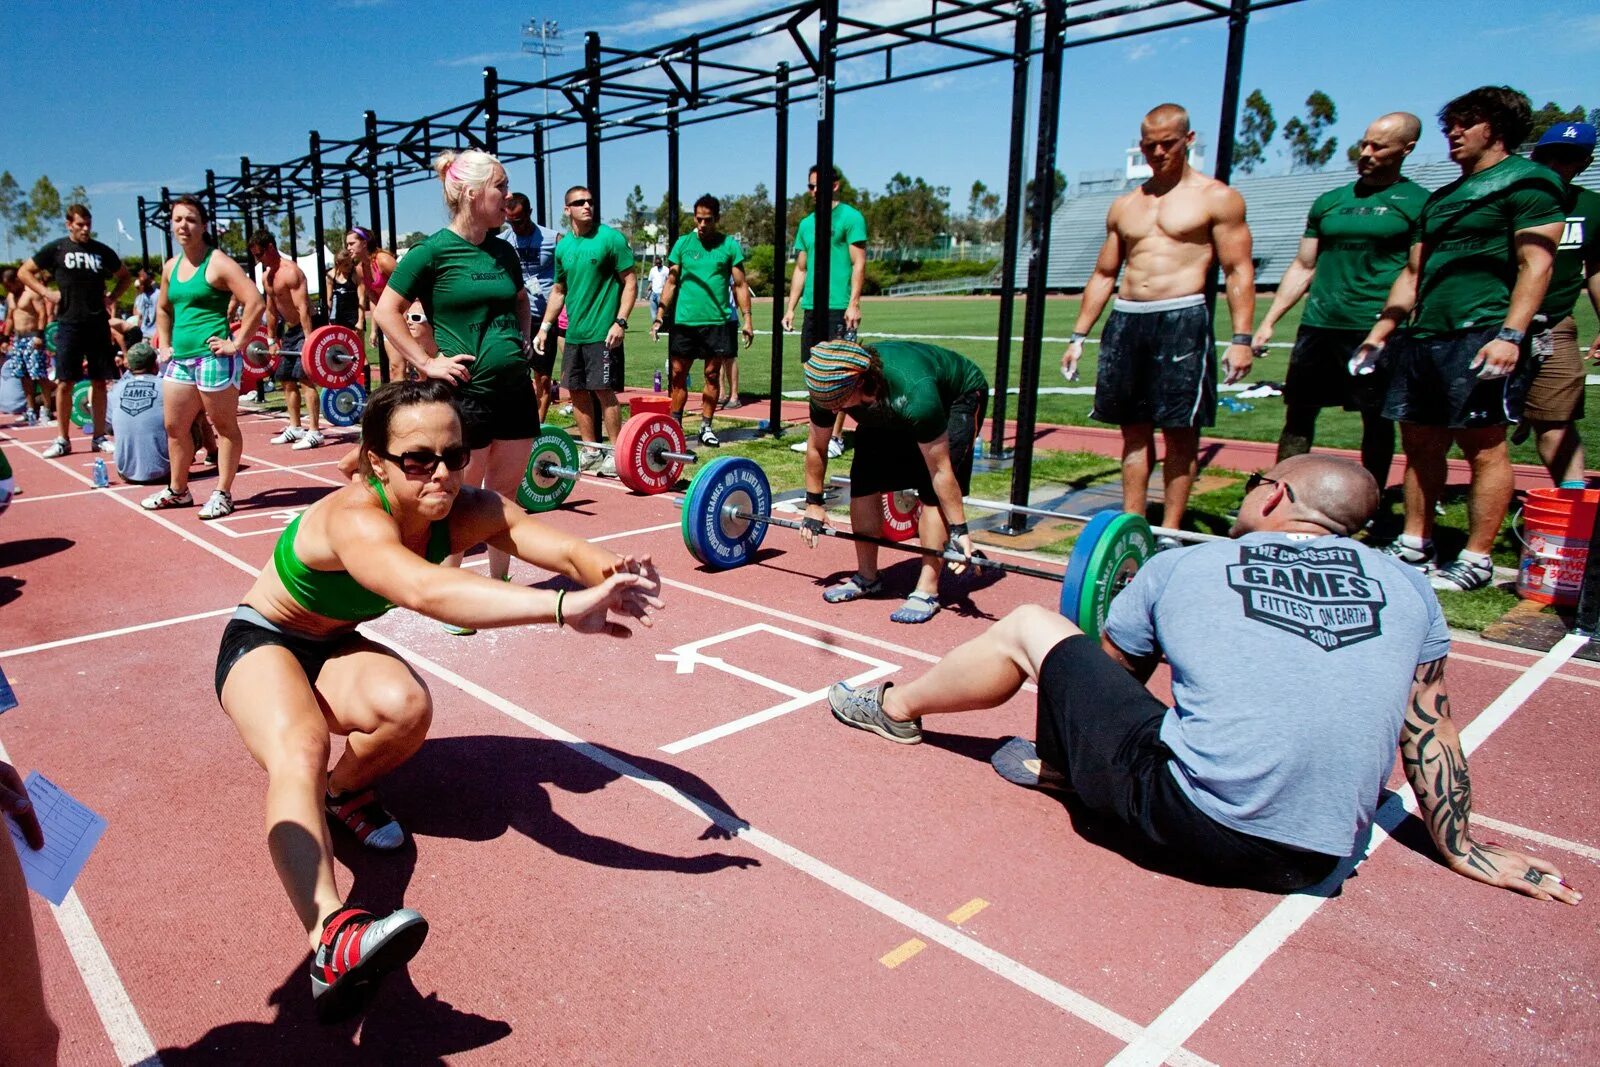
(1363, 236)
(1580, 245)
(1469, 228)
(923, 382)
(588, 268)
(703, 278)
(849, 228)
(470, 294)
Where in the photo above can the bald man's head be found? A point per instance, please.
(1384, 148)
(1403, 124)
(1335, 493)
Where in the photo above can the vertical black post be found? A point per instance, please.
(144, 237)
(591, 116)
(1014, 211)
(820, 259)
(294, 226)
(246, 194)
(541, 195)
(780, 247)
(673, 198)
(388, 199)
(1044, 189)
(211, 197)
(166, 232)
(372, 175)
(1232, 74)
(349, 205)
(491, 110)
(318, 234)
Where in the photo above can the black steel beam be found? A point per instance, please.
(1013, 199)
(780, 243)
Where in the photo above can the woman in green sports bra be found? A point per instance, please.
(292, 670)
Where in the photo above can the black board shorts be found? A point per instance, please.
(1102, 729)
(1435, 385)
(1319, 372)
(700, 342)
(1158, 365)
(888, 460)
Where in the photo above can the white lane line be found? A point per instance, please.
(129, 1038)
(1003, 966)
(1507, 665)
(103, 634)
(26, 499)
(925, 926)
(1588, 852)
(1196, 1005)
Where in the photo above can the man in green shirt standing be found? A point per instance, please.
(702, 265)
(1356, 240)
(847, 251)
(918, 409)
(1555, 400)
(1471, 285)
(595, 282)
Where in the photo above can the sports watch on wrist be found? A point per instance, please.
(1508, 334)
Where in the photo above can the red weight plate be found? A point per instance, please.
(333, 357)
(253, 375)
(901, 510)
(639, 445)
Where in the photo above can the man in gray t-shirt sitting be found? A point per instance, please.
(136, 421)
(1300, 660)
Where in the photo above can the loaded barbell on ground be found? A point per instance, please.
(650, 455)
(331, 357)
(728, 508)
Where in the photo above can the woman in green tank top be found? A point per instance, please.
(200, 356)
(292, 670)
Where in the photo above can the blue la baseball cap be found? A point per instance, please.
(1572, 134)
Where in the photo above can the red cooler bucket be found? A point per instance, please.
(1555, 544)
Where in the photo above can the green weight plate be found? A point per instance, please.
(1124, 544)
(540, 490)
(81, 415)
(50, 332)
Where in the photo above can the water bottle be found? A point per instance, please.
(977, 449)
(101, 480)
(658, 381)
(763, 425)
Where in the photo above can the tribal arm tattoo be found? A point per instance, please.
(1430, 751)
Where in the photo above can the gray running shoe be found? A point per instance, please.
(589, 458)
(1460, 575)
(608, 466)
(1421, 559)
(863, 709)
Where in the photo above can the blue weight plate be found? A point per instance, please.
(1078, 563)
(716, 539)
(343, 406)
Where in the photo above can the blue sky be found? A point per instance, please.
(132, 95)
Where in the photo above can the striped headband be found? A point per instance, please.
(833, 371)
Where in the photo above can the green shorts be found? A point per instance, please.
(212, 374)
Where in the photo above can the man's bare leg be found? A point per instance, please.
(610, 414)
(1561, 449)
(1138, 456)
(583, 412)
(1425, 449)
(1179, 467)
(1492, 483)
(985, 672)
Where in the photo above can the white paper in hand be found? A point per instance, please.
(70, 833)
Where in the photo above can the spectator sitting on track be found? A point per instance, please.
(27, 1033)
(918, 409)
(1269, 767)
(138, 421)
(292, 670)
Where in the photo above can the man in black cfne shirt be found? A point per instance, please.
(81, 266)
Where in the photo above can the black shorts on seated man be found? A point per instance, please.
(1270, 765)
(918, 409)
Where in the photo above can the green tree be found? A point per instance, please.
(1553, 113)
(909, 214)
(663, 212)
(1306, 147)
(42, 214)
(334, 230)
(635, 213)
(1353, 153)
(1256, 132)
(748, 216)
(300, 230)
(11, 207)
(1055, 201)
(412, 239)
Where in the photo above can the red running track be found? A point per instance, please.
(663, 847)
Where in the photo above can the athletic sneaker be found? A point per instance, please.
(708, 437)
(289, 436)
(1018, 762)
(1167, 541)
(362, 815)
(1420, 558)
(589, 458)
(309, 439)
(863, 709)
(1462, 575)
(220, 504)
(734, 402)
(357, 949)
(799, 446)
(103, 444)
(61, 448)
(608, 466)
(457, 631)
(30, 417)
(835, 447)
(168, 498)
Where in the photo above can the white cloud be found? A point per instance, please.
(1142, 50)
(478, 59)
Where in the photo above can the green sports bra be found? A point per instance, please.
(335, 594)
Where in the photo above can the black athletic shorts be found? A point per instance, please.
(1319, 372)
(289, 347)
(592, 367)
(247, 631)
(1157, 367)
(887, 460)
(700, 342)
(508, 413)
(84, 351)
(544, 365)
(1433, 385)
(1102, 729)
(808, 335)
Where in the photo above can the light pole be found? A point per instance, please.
(542, 37)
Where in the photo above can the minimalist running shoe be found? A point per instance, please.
(289, 436)
(357, 949)
(167, 498)
(62, 447)
(1018, 762)
(360, 813)
(852, 588)
(220, 504)
(863, 709)
(309, 439)
(103, 444)
(1420, 558)
(708, 437)
(1462, 575)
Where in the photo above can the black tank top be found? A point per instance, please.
(344, 309)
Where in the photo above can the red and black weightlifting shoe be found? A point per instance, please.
(357, 950)
(361, 813)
